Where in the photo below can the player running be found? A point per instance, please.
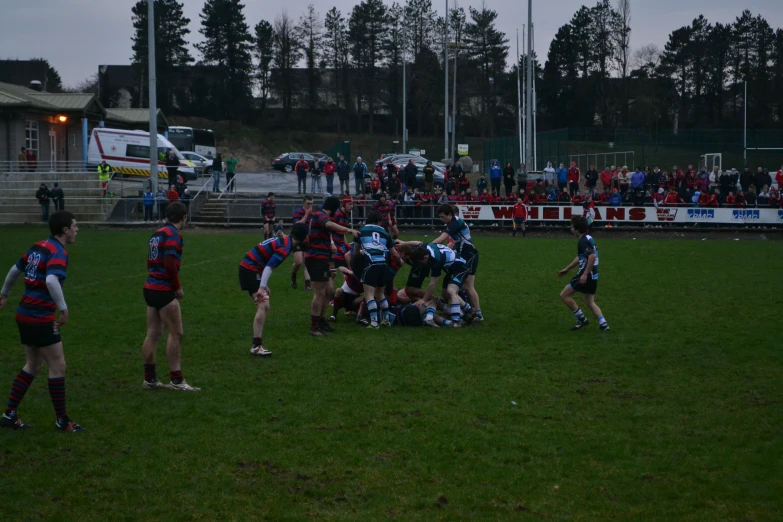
(302, 215)
(441, 259)
(44, 267)
(268, 213)
(255, 271)
(317, 260)
(162, 292)
(586, 281)
(459, 232)
(520, 217)
(373, 243)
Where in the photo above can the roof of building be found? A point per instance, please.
(22, 97)
(134, 116)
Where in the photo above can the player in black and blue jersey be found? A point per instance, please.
(586, 281)
(443, 260)
(373, 244)
(459, 232)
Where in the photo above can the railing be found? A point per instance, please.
(42, 166)
(228, 186)
(198, 202)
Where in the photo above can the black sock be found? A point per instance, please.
(256, 342)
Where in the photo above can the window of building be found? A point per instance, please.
(31, 136)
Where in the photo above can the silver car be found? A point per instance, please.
(203, 164)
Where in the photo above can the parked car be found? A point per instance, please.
(286, 162)
(438, 178)
(203, 164)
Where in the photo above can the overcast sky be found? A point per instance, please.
(78, 35)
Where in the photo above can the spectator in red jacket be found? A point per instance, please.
(541, 199)
(330, 167)
(739, 200)
(692, 182)
(774, 199)
(484, 197)
(704, 199)
(779, 178)
(658, 197)
(714, 199)
(730, 199)
(574, 177)
(493, 198)
(578, 198)
(672, 198)
(606, 177)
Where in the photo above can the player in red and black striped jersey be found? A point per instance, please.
(162, 292)
(255, 271)
(268, 214)
(386, 209)
(317, 258)
(349, 296)
(302, 215)
(342, 251)
(44, 267)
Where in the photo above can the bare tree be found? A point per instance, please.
(646, 58)
(622, 37)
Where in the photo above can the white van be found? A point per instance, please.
(128, 152)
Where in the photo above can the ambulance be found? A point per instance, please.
(128, 152)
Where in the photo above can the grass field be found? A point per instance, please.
(674, 415)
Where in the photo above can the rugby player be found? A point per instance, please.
(302, 215)
(520, 217)
(44, 267)
(317, 260)
(342, 252)
(586, 281)
(417, 274)
(255, 271)
(268, 213)
(162, 292)
(349, 296)
(442, 259)
(459, 232)
(373, 242)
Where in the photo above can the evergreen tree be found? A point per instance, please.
(336, 55)
(228, 45)
(171, 50)
(420, 25)
(263, 51)
(286, 54)
(367, 36)
(312, 31)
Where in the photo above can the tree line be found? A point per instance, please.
(343, 71)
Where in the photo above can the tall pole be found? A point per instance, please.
(446, 84)
(529, 86)
(745, 131)
(535, 126)
(524, 102)
(404, 88)
(454, 105)
(152, 96)
(519, 99)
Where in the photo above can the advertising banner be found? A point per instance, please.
(646, 215)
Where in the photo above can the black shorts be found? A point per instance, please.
(39, 335)
(249, 281)
(269, 221)
(417, 276)
(519, 221)
(340, 262)
(159, 299)
(456, 275)
(375, 275)
(318, 269)
(589, 288)
(471, 257)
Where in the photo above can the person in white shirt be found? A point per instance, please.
(549, 175)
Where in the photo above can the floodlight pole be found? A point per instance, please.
(529, 86)
(152, 96)
(404, 86)
(519, 99)
(745, 129)
(446, 83)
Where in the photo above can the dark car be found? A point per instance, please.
(287, 161)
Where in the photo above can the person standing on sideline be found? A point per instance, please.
(149, 204)
(315, 176)
(162, 293)
(31, 160)
(231, 167)
(495, 175)
(217, 171)
(411, 172)
(359, 173)
(329, 169)
(301, 169)
(562, 177)
(268, 211)
(317, 257)
(172, 167)
(549, 176)
(162, 200)
(42, 195)
(343, 173)
(104, 174)
(522, 178)
(58, 197)
(21, 158)
(508, 178)
(44, 267)
(586, 281)
(574, 176)
(429, 176)
(520, 217)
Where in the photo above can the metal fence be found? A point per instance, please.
(42, 166)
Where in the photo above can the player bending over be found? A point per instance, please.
(458, 232)
(373, 243)
(417, 274)
(441, 259)
(586, 281)
(162, 292)
(44, 267)
(349, 296)
(302, 215)
(255, 271)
